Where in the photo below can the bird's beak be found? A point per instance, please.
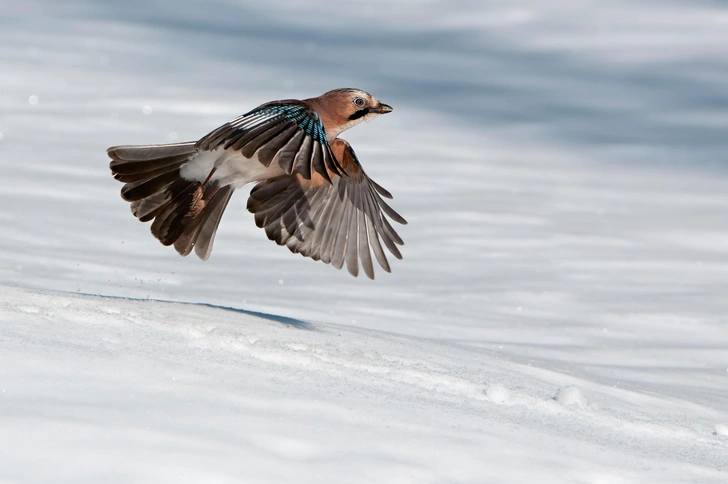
(381, 109)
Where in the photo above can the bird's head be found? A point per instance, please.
(342, 109)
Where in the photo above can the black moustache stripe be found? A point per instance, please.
(359, 114)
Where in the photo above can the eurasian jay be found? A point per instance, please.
(311, 193)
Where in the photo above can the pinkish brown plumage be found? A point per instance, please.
(311, 194)
(337, 108)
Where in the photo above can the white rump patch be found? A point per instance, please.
(231, 168)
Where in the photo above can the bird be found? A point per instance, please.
(311, 193)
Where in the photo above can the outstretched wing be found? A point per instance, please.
(287, 131)
(337, 222)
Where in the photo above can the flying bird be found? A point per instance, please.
(311, 192)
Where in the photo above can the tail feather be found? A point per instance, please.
(200, 234)
(208, 228)
(148, 173)
(172, 219)
(148, 208)
(185, 213)
(145, 153)
(186, 242)
(145, 187)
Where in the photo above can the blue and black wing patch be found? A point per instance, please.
(286, 131)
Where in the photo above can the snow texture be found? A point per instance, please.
(560, 312)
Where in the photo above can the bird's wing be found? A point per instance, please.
(288, 131)
(337, 222)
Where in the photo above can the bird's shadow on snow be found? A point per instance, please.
(296, 323)
(293, 322)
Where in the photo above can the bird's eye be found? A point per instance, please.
(359, 101)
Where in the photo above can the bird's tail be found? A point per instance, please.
(186, 213)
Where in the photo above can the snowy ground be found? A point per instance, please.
(560, 313)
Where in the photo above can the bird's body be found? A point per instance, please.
(231, 168)
(311, 194)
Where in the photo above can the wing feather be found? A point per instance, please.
(302, 157)
(352, 244)
(338, 222)
(335, 246)
(271, 149)
(317, 161)
(289, 130)
(373, 233)
(287, 154)
(364, 252)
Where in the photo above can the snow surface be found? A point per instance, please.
(560, 313)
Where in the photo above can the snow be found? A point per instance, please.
(570, 395)
(187, 392)
(559, 315)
